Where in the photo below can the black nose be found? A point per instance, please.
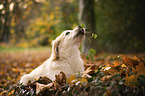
(79, 27)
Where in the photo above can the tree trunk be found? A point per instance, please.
(6, 27)
(86, 17)
(1, 26)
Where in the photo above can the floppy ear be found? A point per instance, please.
(55, 49)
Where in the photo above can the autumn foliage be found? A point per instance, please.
(110, 75)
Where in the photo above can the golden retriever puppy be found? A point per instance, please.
(65, 57)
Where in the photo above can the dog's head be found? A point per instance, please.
(67, 42)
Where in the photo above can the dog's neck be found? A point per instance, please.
(69, 53)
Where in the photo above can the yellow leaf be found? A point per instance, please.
(15, 69)
(1, 93)
(9, 78)
(42, 31)
(51, 16)
(135, 58)
(115, 64)
(83, 80)
(11, 93)
(123, 65)
(69, 80)
(21, 71)
(57, 8)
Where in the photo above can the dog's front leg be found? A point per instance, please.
(25, 78)
(35, 74)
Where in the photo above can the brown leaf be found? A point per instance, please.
(115, 64)
(141, 69)
(88, 70)
(105, 78)
(114, 71)
(60, 78)
(56, 85)
(127, 62)
(42, 87)
(108, 93)
(92, 69)
(130, 80)
(44, 80)
(134, 70)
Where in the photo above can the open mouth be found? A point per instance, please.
(80, 31)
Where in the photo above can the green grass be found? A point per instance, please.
(19, 49)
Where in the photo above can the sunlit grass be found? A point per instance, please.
(20, 49)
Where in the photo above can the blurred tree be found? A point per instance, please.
(69, 16)
(13, 18)
(87, 17)
(5, 16)
(120, 25)
(1, 23)
(23, 12)
(36, 21)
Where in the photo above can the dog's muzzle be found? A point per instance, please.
(80, 31)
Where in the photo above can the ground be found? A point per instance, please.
(14, 63)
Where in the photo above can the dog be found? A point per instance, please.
(65, 57)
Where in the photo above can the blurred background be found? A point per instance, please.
(113, 27)
(119, 24)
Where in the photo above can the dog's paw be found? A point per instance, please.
(24, 79)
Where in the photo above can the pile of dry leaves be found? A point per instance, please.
(111, 74)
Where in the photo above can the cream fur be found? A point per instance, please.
(65, 57)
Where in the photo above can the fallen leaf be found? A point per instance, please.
(87, 71)
(70, 79)
(15, 69)
(140, 69)
(127, 62)
(130, 80)
(123, 65)
(83, 80)
(105, 78)
(43, 80)
(134, 70)
(115, 64)
(60, 78)
(41, 87)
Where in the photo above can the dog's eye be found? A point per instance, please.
(67, 33)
